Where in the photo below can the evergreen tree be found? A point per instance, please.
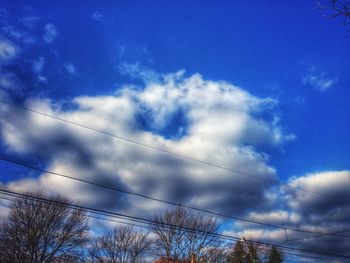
(238, 255)
(275, 256)
(252, 255)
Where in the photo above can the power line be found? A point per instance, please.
(294, 253)
(165, 201)
(100, 213)
(91, 210)
(153, 222)
(316, 236)
(90, 215)
(177, 155)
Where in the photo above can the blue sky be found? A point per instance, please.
(279, 71)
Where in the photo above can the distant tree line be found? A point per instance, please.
(37, 231)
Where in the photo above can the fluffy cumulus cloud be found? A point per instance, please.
(327, 211)
(214, 122)
(322, 207)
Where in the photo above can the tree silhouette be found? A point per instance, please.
(42, 228)
(335, 9)
(121, 245)
(238, 255)
(178, 242)
(275, 256)
(252, 253)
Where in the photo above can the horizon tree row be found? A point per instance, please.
(37, 231)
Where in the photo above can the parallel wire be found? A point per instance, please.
(319, 234)
(165, 201)
(153, 222)
(177, 155)
(316, 236)
(90, 215)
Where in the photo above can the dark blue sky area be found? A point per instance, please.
(268, 48)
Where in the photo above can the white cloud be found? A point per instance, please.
(138, 71)
(221, 120)
(42, 79)
(327, 212)
(7, 50)
(14, 31)
(50, 33)
(223, 124)
(70, 68)
(100, 17)
(334, 186)
(277, 217)
(7, 81)
(38, 65)
(260, 234)
(30, 22)
(319, 81)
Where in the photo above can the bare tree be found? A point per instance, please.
(335, 9)
(216, 254)
(181, 235)
(42, 228)
(121, 245)
(275, 256)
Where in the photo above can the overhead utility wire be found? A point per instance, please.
(84, 208)
(178, 155)
(100, 213)
(164, 201)
(316, 236)
(266, 249)
(90, 215)
(138, 219)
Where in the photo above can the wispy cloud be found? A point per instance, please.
(138, 71)
(7, 50)
(101, 17)
(97, 15)
(70, 68)
(319, 80)
(21, 38)
(18, 29)
(7, 81)
(38, 65)
(50, 33)
(30, 22)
